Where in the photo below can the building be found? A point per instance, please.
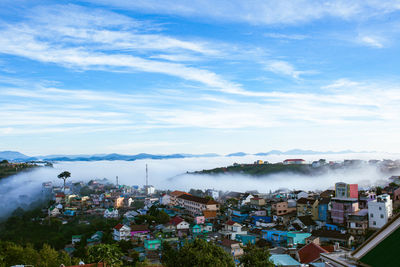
(196, 205)
(379, 211)
(294, 161)
(121, 232)
(323, 209)
(257, 201)
(308, 206)
(233, 247)
(344, 203)
(357, 224)
(282, 208)
(343, 190)
(382, 248)
(174, 197)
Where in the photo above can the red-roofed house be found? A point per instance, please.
(179, 223)
(310, 253)
(121, 232)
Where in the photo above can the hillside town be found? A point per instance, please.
(300, 228)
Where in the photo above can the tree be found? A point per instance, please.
(48, 256)
(198, 253)
(256, 257)
(64, 176)
(108, 254)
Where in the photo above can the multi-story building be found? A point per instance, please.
(173, 201)
(343, 190)
(282, 208)
(379, 211)
(344, 203)
(323, 209)
(308, 206)
(196, 205)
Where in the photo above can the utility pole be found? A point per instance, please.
(147, 180)
(117, 180)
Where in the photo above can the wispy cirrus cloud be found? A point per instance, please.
(286, 12)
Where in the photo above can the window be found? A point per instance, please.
(380, 208)
(382, 216)
(374, 223)
(372, 215)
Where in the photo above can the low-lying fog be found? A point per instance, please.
(171, 174)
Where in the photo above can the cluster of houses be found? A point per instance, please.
(300, 228)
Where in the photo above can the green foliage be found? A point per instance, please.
(108, 254)
(7, 169)
(198, 253)
(137, 204)
(264, 169)
(256, 257)
(196, 192)
(14, 254)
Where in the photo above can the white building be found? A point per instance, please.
(121, 232)
(379, 211)
(111, 213)
(149, 189)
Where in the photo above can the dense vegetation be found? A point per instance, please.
(264, 169)
(7, 169)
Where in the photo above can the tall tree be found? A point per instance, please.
(64, 176)
(110, 255)
(256, 257)
(199, 253)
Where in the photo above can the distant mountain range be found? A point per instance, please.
(17, 156)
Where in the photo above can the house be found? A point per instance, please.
(245, 199)
(232, 247)
(111, 213)
(294, 161)
(152, 244)
(307, 206)
(343, 190)
(296, 238)
(179, 223)
(60, 197)
(344, 239)
(344, 203)
(282, 208)
(76, 239)
(246, 239)
(276, 237)
(306, 223)
(121, 232)
(129, 216)
(53, 211)
(396, 198)
(379, 211)
(196, 229)
(196, 205)
(139, 231)
(231, 229)
(199, 220)
(357, 224)
(310, 253)
(257, 201)
(284, 260)
(70, 212)
(95, 238)
(323, 208)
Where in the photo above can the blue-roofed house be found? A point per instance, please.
(284, 260)
(276, 237)
(296, 238)
(246, 239)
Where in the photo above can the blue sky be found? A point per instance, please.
(205, 76)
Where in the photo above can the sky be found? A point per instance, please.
(97, 76)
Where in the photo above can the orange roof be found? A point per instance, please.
(310, 252)
(177, 193)
(209, 214)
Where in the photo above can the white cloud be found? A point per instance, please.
(372, 41)
(260, 11)
(283, 68)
